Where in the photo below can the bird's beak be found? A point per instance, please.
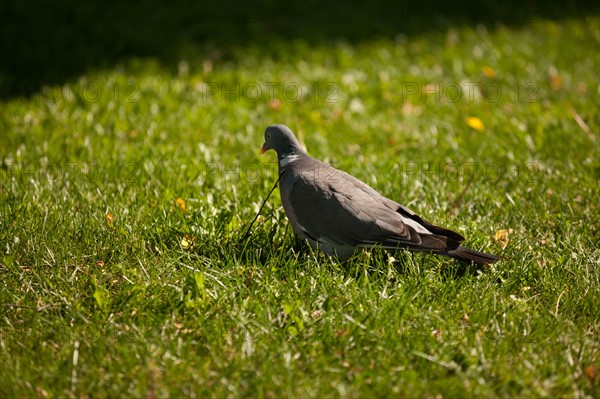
(263, 149)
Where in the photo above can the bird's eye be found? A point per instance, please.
(269, 136)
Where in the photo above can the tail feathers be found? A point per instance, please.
(468, 255)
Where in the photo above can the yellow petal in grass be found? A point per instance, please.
(489, 71)
(475, 123)
(180, 203)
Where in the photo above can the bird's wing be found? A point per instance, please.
(338, 209)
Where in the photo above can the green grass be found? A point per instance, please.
(109, 288)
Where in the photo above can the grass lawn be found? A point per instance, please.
(125, 192)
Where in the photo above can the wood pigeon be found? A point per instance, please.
(339, 214)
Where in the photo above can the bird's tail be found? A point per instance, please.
(468, 255)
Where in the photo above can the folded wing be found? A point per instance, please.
(339, 209)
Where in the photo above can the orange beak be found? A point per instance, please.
(263, 149)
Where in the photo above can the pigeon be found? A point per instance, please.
(341, 215)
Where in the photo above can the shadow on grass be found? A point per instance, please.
(49, 42)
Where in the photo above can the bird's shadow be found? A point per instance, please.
(405, 262)
(376, 261)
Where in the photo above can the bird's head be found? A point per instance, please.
(281, 139)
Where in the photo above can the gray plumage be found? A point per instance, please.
(339, 214)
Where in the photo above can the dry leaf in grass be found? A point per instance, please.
(275, 104)
(180, 203)
(555, 81)
(502, 237)
(342, 332)
(591, 372)
(475, 123)
(110, 218)
(41, 392)
(187, 242)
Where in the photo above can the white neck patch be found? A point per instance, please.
(287, 159)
